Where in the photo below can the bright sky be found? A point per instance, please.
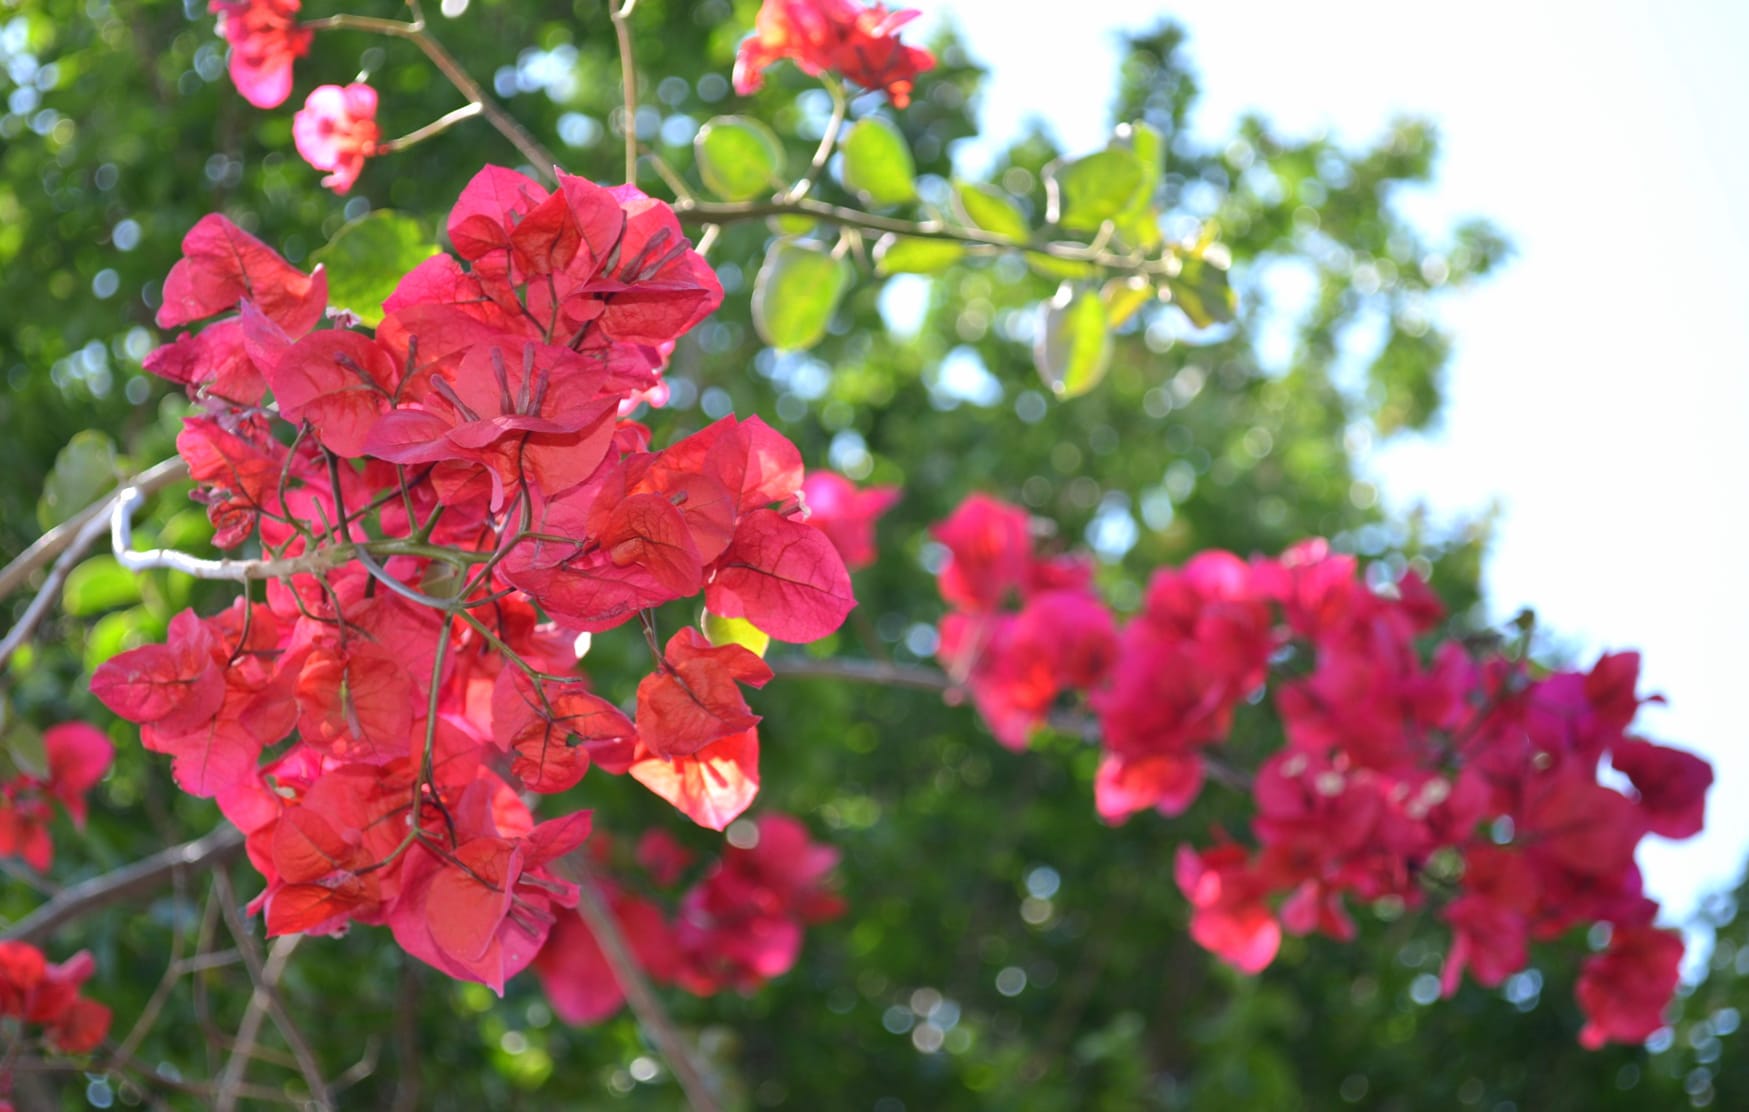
(1600, 390)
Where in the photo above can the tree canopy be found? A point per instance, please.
(1001, 946)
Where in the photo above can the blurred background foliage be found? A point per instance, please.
(1003, 948)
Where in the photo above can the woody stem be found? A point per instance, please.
(598, 917)
(538, 156)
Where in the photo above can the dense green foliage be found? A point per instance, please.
(988, 904)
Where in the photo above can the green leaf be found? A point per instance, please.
(1052, 267)
(735, 631)
(911, 255)
(1200, 289)
(738, 158)
(367, 258)
(1073, 348)
(1124, 297)
(1139, 223)
(792, 225)
(84, 471)
(97, 585)
(985, 206)
(796, 293)
(24, 751)
(115, 633)
(877, 164)
(1089, 191)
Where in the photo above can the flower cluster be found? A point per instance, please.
(265, 40)
(737, 927)
(1404, 770)
(1017, 662)
(75, 756)
(837, 36)
(336, 131)
(846, 514)
(456, 502)
(47, 995)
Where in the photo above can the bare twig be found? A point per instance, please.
(121, 539)
(51, 589)
(125, 883)
(52, 543)
(925, 678)
(730, 212)
(414, 31)
(878, 672)
(828, 140)
(598, 917)
(407, 1040)
(264, 1002)
(436, 127)
(628, 70)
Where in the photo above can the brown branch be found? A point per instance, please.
(264, 1002)
(730, 212)
(128, 882)
(628, 78)
(598, 917)
(52, 543)
(538, 156)
(922, 677)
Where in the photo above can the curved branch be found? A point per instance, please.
(538, 156)
(730, 212)
(598, 917)
(54, 542)
(146, 875)
(923, 677)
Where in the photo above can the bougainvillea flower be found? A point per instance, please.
(1623, 991)
(846, 513)
(265, 40)
(841, 36)
(1671, 785)
(336, 130)
(1229, 916)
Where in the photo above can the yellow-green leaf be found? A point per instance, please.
(367, 258)
(877, 164)
(1123, 297)
(1200, 288)
(985, 206)
(735, 631)
(912, 255)
(84, 471)
(738, 158)
(1089, 191)
(97, 585)
(796, 293)
(1073, 348)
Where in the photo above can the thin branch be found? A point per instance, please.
(121, 539)
(628, 79)
(879, 672)
(598, 917)
(264, 1002)
(729, 212)
(119, 885)
(52, 543)
(828, 140)
(538, 156)
(922, 677)
(51, 589)
(436, 127)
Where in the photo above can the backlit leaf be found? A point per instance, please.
(1073, 348)
(738, 158)
(877, 164)
(367, 258)
(796, 293)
